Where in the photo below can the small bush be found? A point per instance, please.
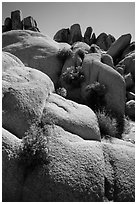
(62, 92)
(34, 149)
(73, 76)
(107, 124)
(95, 97)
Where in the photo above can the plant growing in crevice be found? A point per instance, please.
(73, 76)
(107, 124)
(34, 149)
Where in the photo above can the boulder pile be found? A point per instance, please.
(17, 22)
(56, 147)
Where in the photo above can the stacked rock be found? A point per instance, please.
(16, 22)
(121, 51)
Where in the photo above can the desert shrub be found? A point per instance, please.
(34, 148)
(107, 124)
(62, 92)
(64, 54)
(73, 76)
(95, 97)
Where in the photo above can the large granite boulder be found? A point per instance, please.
(87, 35)
(23, 99)
(72, 170)
(16, 18)
(130, 109)
(94, 70)
(29, 24)
(27, 94)
(10, 60)
(104, 41)
(119, 46)
(75, 33)
(35, 50)
(62, 35)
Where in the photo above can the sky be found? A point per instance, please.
(115, 18)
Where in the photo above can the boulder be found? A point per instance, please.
(78, 170)
(87, 35)
(104, 41)
(62, 35)
(129, 64)
(116, 89)
(8, 23)
(130, 96)
(130, 109)
(81, 45)
(69, 115)
(101, 41)
(12, 173)
(16, 18)
(24, 93)
(75, 34)
(26, 97)
(92, 39)
(129, 81)
(29, 22)
(130, 48)
(35, 50)
(10, 60)
(119, 46)
(94, 70)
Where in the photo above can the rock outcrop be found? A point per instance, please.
(78, 170)
(64, 103)
(17, 22)
(35, 50)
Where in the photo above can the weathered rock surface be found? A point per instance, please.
(16, 18)
(29, 23)
(62, 35)
(87, 35)
(79, 166)
(16, 22)
(119, 46)
(10, 60)
(23, 99)
(104, 41)
(130, 109)
(78, 170)
(69, 115)
(35, 50)
(75, 34)
(95, 70)
(26, 99)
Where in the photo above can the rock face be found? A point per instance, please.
(54, 149)
(20, 108)
(62, 35)
(87, 35)
(30, 24)
(25, 102)
(16, 22)
(119, 45)
(9, 60)
(78, 170)
(75, 33)
(130, 109)
(104, 41)
(94, 70)
(35, 50)
(16, 18)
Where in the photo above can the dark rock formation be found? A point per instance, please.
(16, 22)
(87, 35)
(104, 41)
(75, 34)
(16, 18)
